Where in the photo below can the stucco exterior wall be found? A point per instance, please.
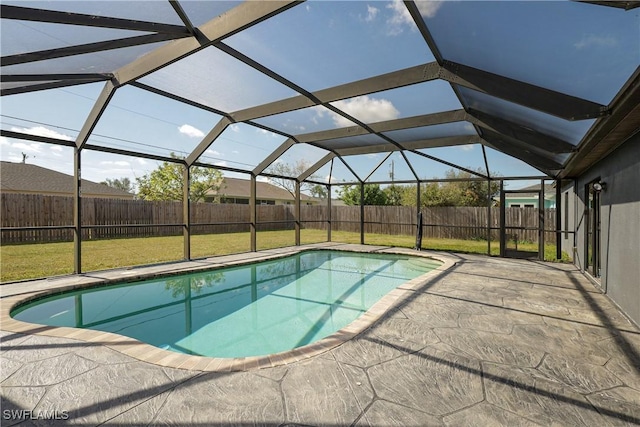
(620, 224)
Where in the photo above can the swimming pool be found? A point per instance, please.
(249, 310)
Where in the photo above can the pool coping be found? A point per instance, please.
(166, 358)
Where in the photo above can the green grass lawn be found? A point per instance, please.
(31, 261)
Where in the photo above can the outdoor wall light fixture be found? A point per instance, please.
(600, 186)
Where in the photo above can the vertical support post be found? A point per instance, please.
(77, 211)
(328, 212)
(298, 213)
(559, 219)
(541, 222)
(362, 212)
(186, 211)
(503, 233)
(489, 217)
(253, 212)
(419, 225)
(418, 201)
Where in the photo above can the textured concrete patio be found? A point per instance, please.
(488, 342)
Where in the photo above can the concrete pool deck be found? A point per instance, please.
(487, 341)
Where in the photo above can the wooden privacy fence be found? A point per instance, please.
(115, 218)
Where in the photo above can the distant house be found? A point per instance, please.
(31, 179)
(530, 200)
(238, 191)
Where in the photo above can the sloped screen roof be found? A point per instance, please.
(425, 85)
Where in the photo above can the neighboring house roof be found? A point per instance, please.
(235, 187)
(33, 179)
(549, 192)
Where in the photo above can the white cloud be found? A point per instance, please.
(373, 155)
(116, 163)
(400, 16)
(372, 12)
(191, 131)
(596, 41)
(33, 147)
(142, 161)
(212, 152)
(235, 128)
(56, 150)
(428, 9)
(42, 131)
(366, 109)
(266, 132)
(221, 163)
(4, 141)
(466, 147)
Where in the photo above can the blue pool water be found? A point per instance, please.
(248, 310)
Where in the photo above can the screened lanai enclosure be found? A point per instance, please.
(504, 94)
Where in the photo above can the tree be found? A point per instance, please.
(394, 194)
(166, 182)
(373, 195)
(450, 193)
(294, 171)
(123, 184)
(319, 191)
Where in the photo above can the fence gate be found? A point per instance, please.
(521, 225)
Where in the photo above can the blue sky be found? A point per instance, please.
(317, 45)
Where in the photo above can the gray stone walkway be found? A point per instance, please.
(490, 342)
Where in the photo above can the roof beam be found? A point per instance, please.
(546, 160)
(551, 102)
(470, 171)
(521, 133)
(47, 85)
(36, 138)
(317, 165)
(49, 77)
(56, 17)
(273, 156)
(43, 55)
(521, 152)
(626, 5)
(377, 166)
(237, 19)
(420, 121)
(412, 145)
(177, 98)
(424, 30)
(408, 76)
(100, 105)
(208, 140)
(385, 126)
